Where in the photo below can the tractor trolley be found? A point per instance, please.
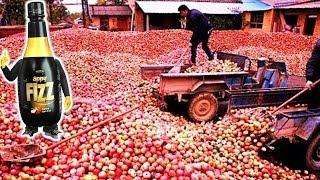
(268, 85)
(203, 93)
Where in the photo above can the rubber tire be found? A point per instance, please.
(310, 163)
(207, 98)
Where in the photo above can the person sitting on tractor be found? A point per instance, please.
(312, 75)
(199, 24)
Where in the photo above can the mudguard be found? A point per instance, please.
(306, 130)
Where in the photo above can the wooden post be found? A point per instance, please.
(132, 21)
(132, 5)
(147, 22)
(273, 16)
(85, 13)
(275, 21)
(282, 20)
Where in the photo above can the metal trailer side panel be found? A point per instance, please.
(263, 97)
(188, 83)
(308, 128)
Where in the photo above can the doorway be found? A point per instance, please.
(164, 21)
(104, 23)
(291, 20)
(310, 25)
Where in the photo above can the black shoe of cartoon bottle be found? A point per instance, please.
(30, 131)
(51, 131)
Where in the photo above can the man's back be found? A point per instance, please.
(197, 21)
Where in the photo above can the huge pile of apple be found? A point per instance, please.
(148, 144)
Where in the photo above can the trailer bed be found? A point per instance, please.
(149, 71)
(215, 74)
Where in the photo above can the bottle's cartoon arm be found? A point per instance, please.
(12, 74)
(65, 87)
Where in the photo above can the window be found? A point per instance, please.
(256, 20)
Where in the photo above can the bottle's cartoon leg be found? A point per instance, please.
(52, 131)
(30, 130)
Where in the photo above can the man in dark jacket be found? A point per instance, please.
(312, 75)
(201, 28)
(3, 21)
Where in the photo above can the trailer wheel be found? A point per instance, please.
(313, 154)
(203, 107)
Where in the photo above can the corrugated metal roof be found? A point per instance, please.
(254, 5)
(215, 1)
(205, 7)
(278, 3)
(171, 7)
(307, 5)
(123, 10)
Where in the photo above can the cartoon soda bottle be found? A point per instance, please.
(40, 78)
